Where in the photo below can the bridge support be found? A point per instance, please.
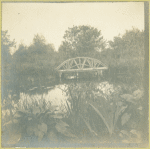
(60, 73)
(77, 75)
(99, 73)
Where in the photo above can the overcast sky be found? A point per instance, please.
(24, 20)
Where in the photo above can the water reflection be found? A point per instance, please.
(54, 95)
(58, 95)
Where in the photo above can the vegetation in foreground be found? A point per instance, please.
(93, 112)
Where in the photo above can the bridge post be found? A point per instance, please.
(77, 75)
(96, 74)
(60, 73)
(99, 73)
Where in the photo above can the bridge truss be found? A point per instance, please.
(81, 64)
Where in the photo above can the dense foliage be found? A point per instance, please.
(81, 41)
(125, 57)
(6, 46)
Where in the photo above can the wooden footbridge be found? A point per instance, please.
(81, 64)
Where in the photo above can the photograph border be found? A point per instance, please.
(146, 44)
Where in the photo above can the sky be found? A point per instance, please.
(24, 20)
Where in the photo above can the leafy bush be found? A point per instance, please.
(103, 105)
(37, 119)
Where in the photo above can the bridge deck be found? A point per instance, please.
(82, 70)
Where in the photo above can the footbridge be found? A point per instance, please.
(81, 64)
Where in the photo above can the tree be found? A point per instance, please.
(35, 62)
(41, 54)
(129, 47)
(81, 41)
(6, 46)
(126, 54)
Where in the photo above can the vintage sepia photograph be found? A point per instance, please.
(75, 74)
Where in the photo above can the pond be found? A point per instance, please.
(56, 95)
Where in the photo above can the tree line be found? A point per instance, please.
(35, 64)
